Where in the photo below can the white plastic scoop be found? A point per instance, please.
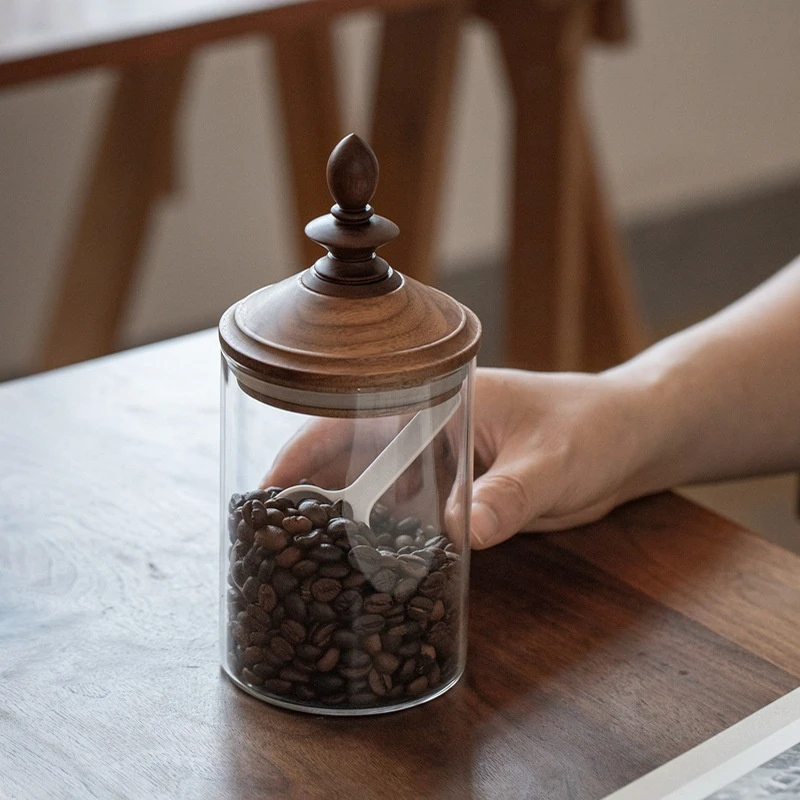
(397, 456)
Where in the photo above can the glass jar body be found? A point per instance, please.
(321, 610)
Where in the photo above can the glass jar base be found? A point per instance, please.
(342, 711)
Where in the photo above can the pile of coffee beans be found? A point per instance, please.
(328, 612)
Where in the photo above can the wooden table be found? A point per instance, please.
(595, 655)
(569, 301)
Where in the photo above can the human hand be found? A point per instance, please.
(552, 450)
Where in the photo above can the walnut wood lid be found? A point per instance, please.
(349, 323)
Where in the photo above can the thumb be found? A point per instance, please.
(502, 504)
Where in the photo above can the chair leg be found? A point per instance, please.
(133, 168)
(410, 128)
(309, 104)
(612, 327)
(542, 45)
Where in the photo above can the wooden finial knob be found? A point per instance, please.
(352, 177)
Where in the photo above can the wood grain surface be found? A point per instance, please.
(594, 655)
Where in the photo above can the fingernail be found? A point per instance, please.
(483, 526)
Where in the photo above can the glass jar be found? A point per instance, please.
(346, 474)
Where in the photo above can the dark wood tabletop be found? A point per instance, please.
(594, 655)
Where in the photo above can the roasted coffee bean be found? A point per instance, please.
(383, 539)
(355, 579)
(314, 512)
(340, 526)
(329, 659)
(236, 501)
(272, 661)
(307, 652)
(406, 549)
(325, 589)
(295, 607)
(264, 595)
(252, 655)
(254, 558)
(274, 516)
(372, 643)
(378, 603)
(257, 615)
(439, 557)
(364, 558)
(288, 557)
(293, 674)
(239, 634)
(305, 693)
(328, 684)
(297, 524)
(281, 648)
(259, 638)
(266, 569)
(334, 699)
(272, 538)
(284, 582)
(245, 533)
(321, 633)
(384, 580)
(338, 570)
(407, 671)
(433, 585)
(354, 664)
(405, 543)
(305, 589)
(409, 525)
(409, 649)
(238, 573)
(368, 623)
(434, 676)
(310, 539)
(250, 589)
(418, 686)
(437, 541)
(233, 525)
(396, 692)
(362, 699)
(345, 639)
(386, 662)
(404, 589)
(348, 604)
(437, 612)
(390, 642)
(278, 616)
(278, 686)
(419, 608)
(326, 553)
(413, 565)
(356, 686)
(379, 682)
(293, 631)
(438, 635)
(247, 511)
(252, 678)
(414, 629)
(321, 612)
(305, 568)
(264, 670)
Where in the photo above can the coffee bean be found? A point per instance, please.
(390, 642)
(321, 612)
(339, 570)
(325, 589)
(254, 558)
(278, 686)
(289, 556)
(329, 659)
(259, 638)
(239, 634)
(274, 516)
(295, 607)
(348, 604)
(384, 580)
(433, 585)
(272, 662)
(335, 699)
(345, 639)
(340, 526)
(321, 633)
(245, 533)
(328, 684)
(284, 582)
(415, 629)
(355, 579)
(407, 671)
(439, 557)
(404, 589)
(250, 589)
(419, 608)
(409, 649)
(354, 664)
(438, 635)
(413, 565)
(437, 612)
(386, 662)
(264, 670)
(297, 524)
(409, 525)
(293, 631)
(293, 674)
(379, 682)
(378, 603)
(278, 616)
(252, 678)
(257, 615)
(281, 648)
(305, 693)
(304, 569)
(418, 686)
(272, 538)
(383, 539)
(266, 596)
(305, 589)
(233, 525)
(307, 652)
(364, 558)
(266, 569)
(326, 553)
(372, 643)
(368, 623)
(252, 655)
(404, 543)
(238, 573)
(434, 676)
(312, 510)
(236, 501)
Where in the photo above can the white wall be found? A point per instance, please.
(705, 102)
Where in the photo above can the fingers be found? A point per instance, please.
(502, 504)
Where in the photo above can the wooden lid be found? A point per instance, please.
(349, 323)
